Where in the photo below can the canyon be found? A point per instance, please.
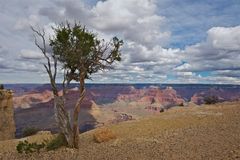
(110, 103)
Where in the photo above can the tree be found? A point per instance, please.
(61, 116)
(210, 99)
(80, 54)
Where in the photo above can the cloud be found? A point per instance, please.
(137, 22)
(189, 20)
(26, 66)
(140, 53)
(164, 41)
(25, 23)
(134, 20)
(223, 38)
(30, 54)
(220, 51)
(3, 51)
(227, 73)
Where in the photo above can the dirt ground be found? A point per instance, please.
(206, 132)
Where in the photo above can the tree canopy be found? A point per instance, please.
(81, 52)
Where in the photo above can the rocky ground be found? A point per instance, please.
(206, 132)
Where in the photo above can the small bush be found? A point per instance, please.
(211, 100)
(56, 143)
(181, 104)
(161, 110)
(103, 135)
(26, 147)
(28, 131)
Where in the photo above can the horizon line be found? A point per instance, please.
(125, 83)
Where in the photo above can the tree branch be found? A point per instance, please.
(48, 67)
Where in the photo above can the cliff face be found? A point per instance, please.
(166, 97)
(29, 99)
(7, 125)
(221, 94)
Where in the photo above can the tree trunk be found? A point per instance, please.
(62, 119)
(76, 113)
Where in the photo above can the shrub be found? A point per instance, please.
(103, 135)
(56, 143)
(161, 110)
(28, 131)
(181, 104)
(26, 147)
(211, 100)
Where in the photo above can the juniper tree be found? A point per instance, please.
(80, 53)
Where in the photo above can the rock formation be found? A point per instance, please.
(163, 97)
(32, 98)
(7, 125)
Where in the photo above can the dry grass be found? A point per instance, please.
(103, 135)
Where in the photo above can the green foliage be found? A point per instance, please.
(26, 147)
(28, 131)
(56, 143)
(211, 100)
(80, 51)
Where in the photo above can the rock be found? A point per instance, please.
(7, 124)
(32, 98)
(151, 96)
(121, 117)
(95, 110)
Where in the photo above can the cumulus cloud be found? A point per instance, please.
(223, 38)
(134, 20)
(140, 53)
(137, 22)
(164, 41)
(30, 54)
(220, 51)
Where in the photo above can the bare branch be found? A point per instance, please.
(43, 49)
(47, 69)
(48, 66)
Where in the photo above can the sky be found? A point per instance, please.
(165, 41)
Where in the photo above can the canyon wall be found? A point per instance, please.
(7, 125)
